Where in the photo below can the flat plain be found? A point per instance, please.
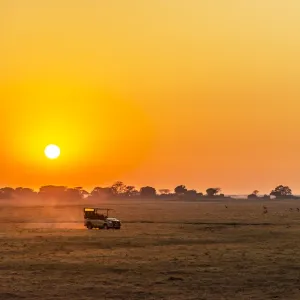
(209, 249)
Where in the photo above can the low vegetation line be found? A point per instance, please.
(119, 190)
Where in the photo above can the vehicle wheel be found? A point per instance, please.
(89, 226)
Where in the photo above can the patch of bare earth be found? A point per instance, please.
(165, 250)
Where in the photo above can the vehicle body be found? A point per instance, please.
(94, 219)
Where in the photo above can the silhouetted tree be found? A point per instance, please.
(191, 194)
(281, 191)
(52, 191)
(148, 191)
(164, 191)
(130, 191)
(7, 193)
(180, 190)
(99, 192)
(253, 195)
(75, 194)
(24, 192)
(212, 191)
(118, 188)
(83, 193)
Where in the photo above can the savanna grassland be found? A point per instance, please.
(165, 250)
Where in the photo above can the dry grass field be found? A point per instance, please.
(165, 250)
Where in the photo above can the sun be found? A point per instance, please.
(52, 151)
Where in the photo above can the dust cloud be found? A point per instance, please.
(36, 213)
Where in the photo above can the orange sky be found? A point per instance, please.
(203, 93)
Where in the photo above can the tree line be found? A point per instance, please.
(120, 190)
(280, 191)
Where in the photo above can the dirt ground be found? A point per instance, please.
(165, 250)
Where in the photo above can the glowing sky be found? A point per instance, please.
(203, 93)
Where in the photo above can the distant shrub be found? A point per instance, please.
(212, 191)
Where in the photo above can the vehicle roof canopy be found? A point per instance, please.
(96, 209)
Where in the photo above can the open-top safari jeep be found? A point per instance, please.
(93, 218)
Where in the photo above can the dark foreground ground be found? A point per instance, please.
(165, 250)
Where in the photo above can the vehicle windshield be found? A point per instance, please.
(95, 215)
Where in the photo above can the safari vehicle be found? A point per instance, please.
(93, 218)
